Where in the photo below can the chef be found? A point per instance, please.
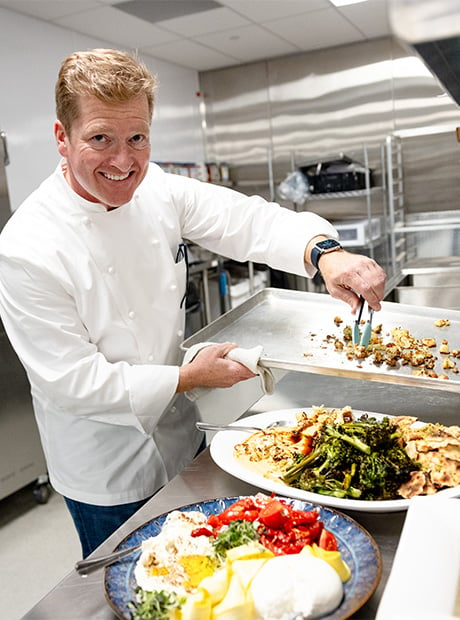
(92, 284)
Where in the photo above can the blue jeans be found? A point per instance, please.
(95, 523)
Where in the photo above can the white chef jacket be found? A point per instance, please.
(90, 300)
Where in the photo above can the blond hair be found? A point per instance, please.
(112, 76)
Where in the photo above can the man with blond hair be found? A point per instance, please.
(92, 282)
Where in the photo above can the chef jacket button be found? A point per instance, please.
(155, 242)
(173, 287)
(150, 358)
(132, 314)
(180, 333)
(86, 221)
(111, 269)
(173, 410)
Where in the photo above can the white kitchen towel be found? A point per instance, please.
(248, 357)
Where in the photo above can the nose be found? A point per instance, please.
(121, 157)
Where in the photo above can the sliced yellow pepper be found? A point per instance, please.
(197, 606)
(236, 605)
(333, 558)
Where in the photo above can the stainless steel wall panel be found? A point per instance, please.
(432, 172)
(237, 114)
(330, 101)
(265, 117)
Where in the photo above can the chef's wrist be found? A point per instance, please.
(310, 245)
(322, 247)
(185, 381)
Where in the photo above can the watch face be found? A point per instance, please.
(327, 244)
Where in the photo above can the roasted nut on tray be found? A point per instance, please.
(442, 323)
(403, 349)
(444, 348)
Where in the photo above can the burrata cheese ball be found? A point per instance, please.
(295, 584)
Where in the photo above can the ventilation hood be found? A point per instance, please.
(432, 29)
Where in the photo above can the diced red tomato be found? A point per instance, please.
(244, 515)
(285, 542)
(213, 521)
(314, 530)
(327, 541)
(282, 529)
(201, 531)
(275, 514)
(302, 517)
(244, 509)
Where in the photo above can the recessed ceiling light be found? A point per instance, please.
(345, 2)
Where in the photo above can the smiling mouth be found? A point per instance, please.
(116, 177)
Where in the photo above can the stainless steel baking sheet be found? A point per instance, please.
(293, 327)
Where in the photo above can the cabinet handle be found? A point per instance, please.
(6, 157)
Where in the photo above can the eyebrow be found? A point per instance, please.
(97, 129)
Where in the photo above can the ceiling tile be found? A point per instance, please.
(190, 54)
(239, 31)
(264, 10)
(113, 25)
(248, 43)
(159, 10)
(50, 9)
(319, 29)
(209, 21)
(370, 17)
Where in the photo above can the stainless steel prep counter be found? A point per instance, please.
(76, 598)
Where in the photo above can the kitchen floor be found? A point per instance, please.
(38, 547)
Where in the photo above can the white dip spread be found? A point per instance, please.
(157, 567)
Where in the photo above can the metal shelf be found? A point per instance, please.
(357, 193)
(427, 227)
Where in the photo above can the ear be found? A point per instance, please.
(61, 138)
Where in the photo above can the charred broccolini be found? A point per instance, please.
(356, 460)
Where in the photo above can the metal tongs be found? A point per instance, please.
(363, 338)
(85, 567)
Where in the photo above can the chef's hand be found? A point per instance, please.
(211, 368)
(348, 275)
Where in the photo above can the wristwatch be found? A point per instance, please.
(323, 247)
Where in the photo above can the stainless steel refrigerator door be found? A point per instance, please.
(21, 455)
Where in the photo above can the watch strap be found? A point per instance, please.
(323, 247)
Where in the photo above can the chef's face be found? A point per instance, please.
(108, 149)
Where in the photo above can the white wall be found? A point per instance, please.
(30, 55)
